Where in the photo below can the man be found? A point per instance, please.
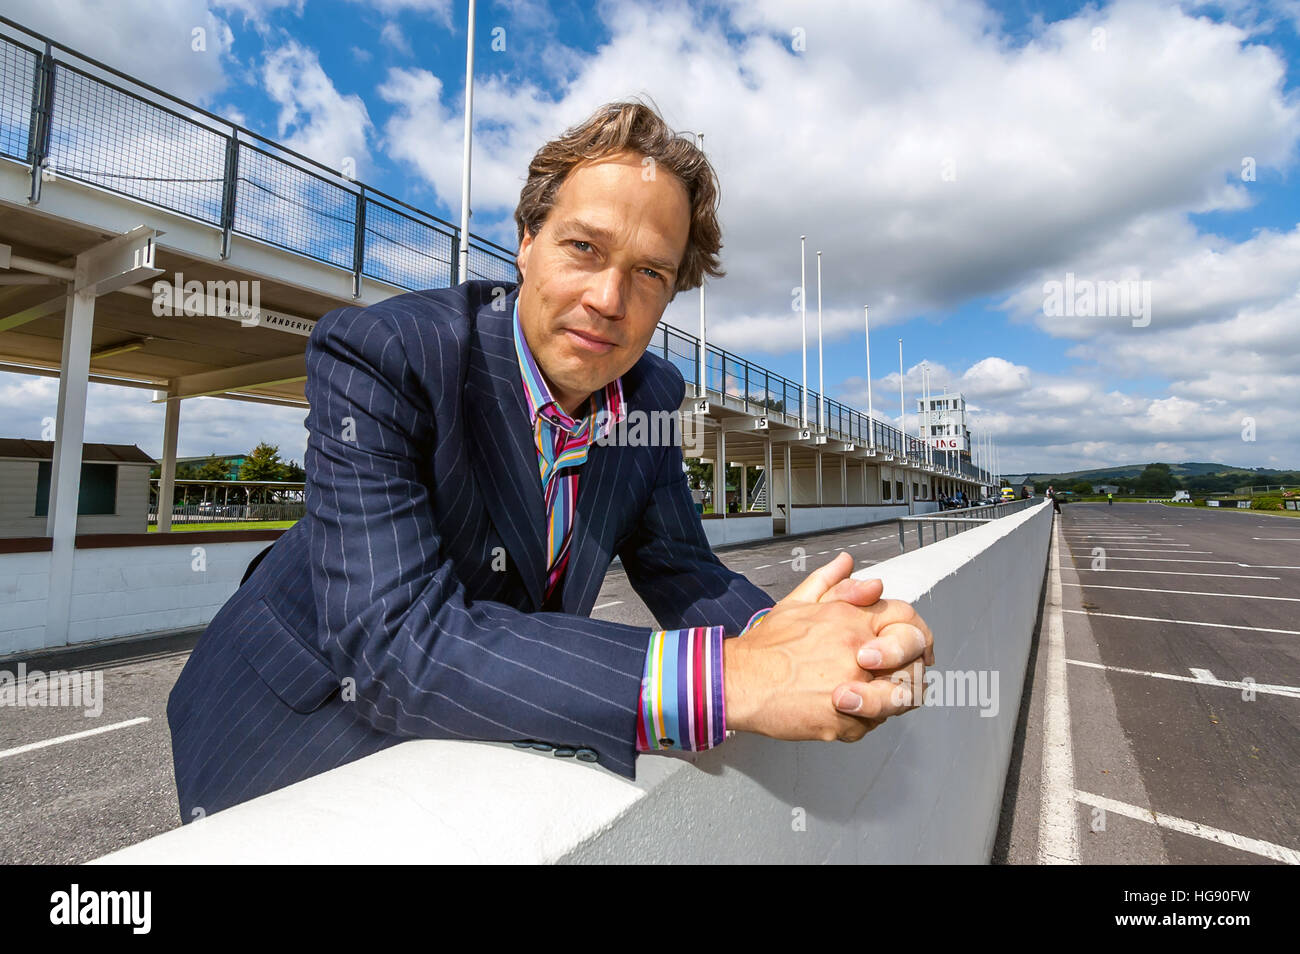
(463, 506)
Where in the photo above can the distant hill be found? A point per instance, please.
(1187, 469)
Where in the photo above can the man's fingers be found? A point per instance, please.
(857, 592)
(814, 586)
(896, 645)
(878, 699)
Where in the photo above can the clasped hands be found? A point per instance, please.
(830, 661)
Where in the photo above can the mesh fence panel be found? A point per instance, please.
(405, 251)
(109, 138)
(491, 266)
(288, 206)
(17, 74)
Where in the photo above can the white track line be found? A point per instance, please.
(33, 746)
(1217, 576)
(1253, 845)
(1205, 679)
(1172, 560)
(606, 605)
(1155, 550)
(1294, 539)
(1149, 589)
(763, 567)
(1058, 833)
(1184, 622)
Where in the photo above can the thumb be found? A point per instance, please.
(815, 584)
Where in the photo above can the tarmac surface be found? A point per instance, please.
(1181, 686)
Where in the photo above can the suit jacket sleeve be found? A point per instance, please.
(392, 614)
(669, 561)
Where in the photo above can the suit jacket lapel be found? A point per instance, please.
(503, 451)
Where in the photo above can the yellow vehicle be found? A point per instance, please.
(1008, 493)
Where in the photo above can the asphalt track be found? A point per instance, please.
(1181, 665)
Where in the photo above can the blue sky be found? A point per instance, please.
(1102, 140)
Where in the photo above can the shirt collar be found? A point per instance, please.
(606, 405)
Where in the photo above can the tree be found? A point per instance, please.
(1082, 488)
(1156, 481)
(263, 464)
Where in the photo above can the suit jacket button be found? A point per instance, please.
(542, 746)
(522, 745)
(586, 755)
(565, 752)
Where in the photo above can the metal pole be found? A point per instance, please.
(902, 406)
(704, 351)
(803, 316)
(871, 427)
(821, 383)
(469, 129)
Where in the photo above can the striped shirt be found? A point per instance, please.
(681, 703)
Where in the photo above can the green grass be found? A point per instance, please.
(234, 525)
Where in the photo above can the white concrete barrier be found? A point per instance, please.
(121, 591)
(737, 528)
(924, 787)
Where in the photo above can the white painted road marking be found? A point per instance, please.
(32, 746)
(1253, 845)
(1148, 589)
(605, 605)
(1058, 835)
(1201, 676)
(1217, 576)
(1184, 622)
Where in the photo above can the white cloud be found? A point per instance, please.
(314, 118)
(117, 37)
(392, 35)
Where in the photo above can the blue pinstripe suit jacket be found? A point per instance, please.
(407, 603)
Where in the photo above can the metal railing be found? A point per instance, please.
(954, 522)
(65, 115)
(230, 513)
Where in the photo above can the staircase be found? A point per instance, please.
(759, 501)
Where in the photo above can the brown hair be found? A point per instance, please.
(637, 128)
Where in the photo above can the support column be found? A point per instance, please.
(744, 490)
(167, 474)
(720, 476)
(844, 480)
(789, 491)
(819, 477)
(65, 471)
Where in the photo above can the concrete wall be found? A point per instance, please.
(924, 787)
(737, 529)
(121, 591)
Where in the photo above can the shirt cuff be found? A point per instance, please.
(754, 620)
(680, 706)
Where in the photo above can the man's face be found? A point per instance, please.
(599, 273)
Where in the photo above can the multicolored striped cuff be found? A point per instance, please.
(681, 703)
(753, 620)
(682, 693)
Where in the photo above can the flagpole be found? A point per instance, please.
(871, 418)
(803, 320)
(463, 270)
